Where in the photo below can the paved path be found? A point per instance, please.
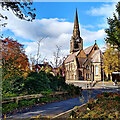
(53, 109)
(100, 84)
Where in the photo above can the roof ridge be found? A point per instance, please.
(89, 47)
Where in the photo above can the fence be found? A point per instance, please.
(27, 97)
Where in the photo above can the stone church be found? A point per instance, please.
(82, 64)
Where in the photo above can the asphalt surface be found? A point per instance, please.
(100, 84)
(53, 109)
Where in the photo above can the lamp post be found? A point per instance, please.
(103, 76)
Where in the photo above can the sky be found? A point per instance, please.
(54, 25)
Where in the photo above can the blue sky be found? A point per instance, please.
(54, 23)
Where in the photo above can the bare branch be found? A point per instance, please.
(57, 60)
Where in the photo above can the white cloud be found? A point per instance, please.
(88, 26)
(103, 47)
(54, 31)
(91, 36)
(105, 11)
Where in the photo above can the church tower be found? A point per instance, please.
(76, 42)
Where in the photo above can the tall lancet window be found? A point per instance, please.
(96, 70)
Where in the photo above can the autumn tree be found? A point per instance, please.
(13, 57)
(15, 65)
(111, 60)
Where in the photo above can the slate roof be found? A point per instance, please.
(96, 57)
(88, 49)
(71, 57)
(82, 60)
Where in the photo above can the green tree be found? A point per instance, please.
(113, 32)
(22, 10)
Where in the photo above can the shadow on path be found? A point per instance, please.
(53, 109)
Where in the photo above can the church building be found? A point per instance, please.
(83, 64)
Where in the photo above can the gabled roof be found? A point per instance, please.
(71, 57)
(88, 49)
(82, 60)
(96, 57)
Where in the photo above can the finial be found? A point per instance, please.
(95, 41)
(76, 18)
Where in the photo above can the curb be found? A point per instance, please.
(67, 112)
(72, 81)
(103, 87)
(93, 88)
(58, 116)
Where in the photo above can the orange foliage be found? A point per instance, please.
(14, 55)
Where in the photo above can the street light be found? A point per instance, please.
(103, 76)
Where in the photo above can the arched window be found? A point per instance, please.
(87, 67)
(96, 70)
(87, 76)
(95, 48)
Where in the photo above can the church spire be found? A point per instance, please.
(76, 42)
(76, 32)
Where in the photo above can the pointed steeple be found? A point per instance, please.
(76, 42)
(76, 32)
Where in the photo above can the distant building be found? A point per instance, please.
(48, 68)
(82, 64)
(43, 66)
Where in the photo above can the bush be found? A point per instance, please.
(26, 103)
(106, 94)
(57, 83)
(105, 107)
(53, 82)
(46, 93)
(73, 90)
(12, 86)
(117, 98)
(9, 107)
(36, 82)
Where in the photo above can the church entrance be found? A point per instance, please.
(80, 77)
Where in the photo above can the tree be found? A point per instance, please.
(22, 10)
(15, 66)
(36, 58)
(111, 60)
(113, 32)
(14, 60)
(58, 62)
(57, 59)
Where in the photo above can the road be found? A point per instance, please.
(53, 109)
